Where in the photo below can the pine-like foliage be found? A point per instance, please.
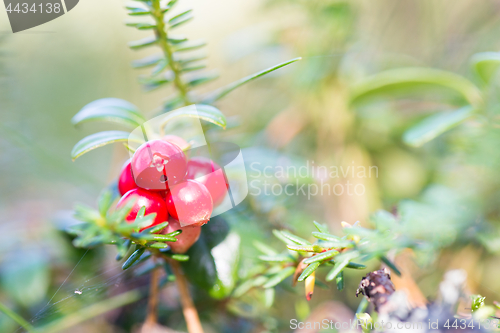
(175, 64)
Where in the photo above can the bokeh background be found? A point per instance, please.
(300, 113)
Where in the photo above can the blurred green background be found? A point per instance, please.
(302, 112)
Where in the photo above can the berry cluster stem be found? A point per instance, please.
(162, 36)
(188, 308)
(152, 316)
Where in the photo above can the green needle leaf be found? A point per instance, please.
(355, 265)
(193, 68)
(141, 43)
(139, 223)
(176, 39)
(282, 237)
(181, 18)
(17, 318)
(391, 265)
(184, 61)
(295, 239)
(180, 257)
(169, 5)
(305, 248)
(325, 237)
(123, 249)
(105, 200)
(148, 61)
(267, 250)
(160, 66)
(140, 213)
(322, 256)
(339, 266)
(97, 140)
(486, 64)
(279, 277)
(277, 258)
(435, 125)
(78, 229)
(156, 228)
(154, 237)
(337, 244)
(118, 216)
(135, 11)
(340, 281)
(308, 271)
(133, 258)
(243, 288)
(269, 297)
(174, 233)
(189, 46)
(218, 94)
(110, 109)
(199, 79)
(151, 83)
(201, 111)
(359, 231)
(159, 245)
(321, 228)
(413, 79)
(260, 280)
(141, 25)
(87, 214)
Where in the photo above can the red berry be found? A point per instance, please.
(176, 140)
(207, 172)
(126, 180)
(185, 240)
(153, 202)
(158, 164)
(190, 203)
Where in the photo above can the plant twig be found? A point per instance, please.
(152, 316)
(161, 34)
(17, 318)
(188, 308)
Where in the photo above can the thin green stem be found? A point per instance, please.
(17, 318)
(162, 35)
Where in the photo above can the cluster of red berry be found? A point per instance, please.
(162, 179)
